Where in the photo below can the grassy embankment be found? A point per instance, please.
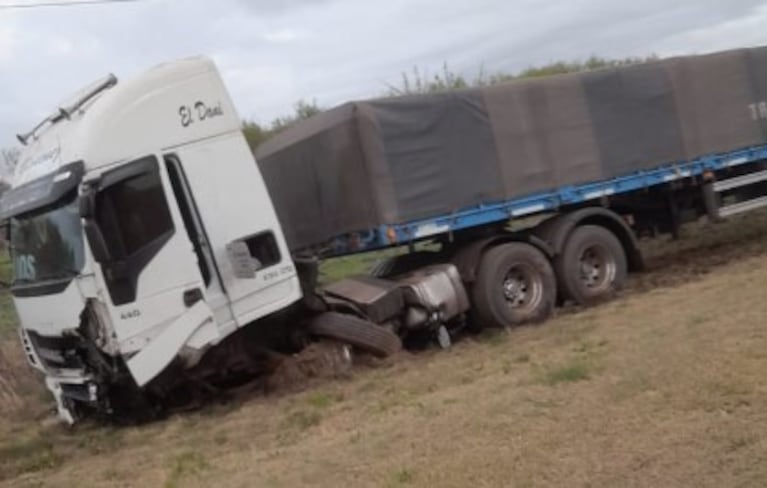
(664, 386)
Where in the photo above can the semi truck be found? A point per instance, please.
(151, 250)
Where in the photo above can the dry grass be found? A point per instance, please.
(15, 378)
(19, 386)
(662, 387)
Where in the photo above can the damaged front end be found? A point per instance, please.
(84, 379)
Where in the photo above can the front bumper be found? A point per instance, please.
(66, 374)
(67, 392)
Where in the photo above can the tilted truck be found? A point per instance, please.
(151, 250)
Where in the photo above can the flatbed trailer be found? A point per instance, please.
(710, 168)
(371, 174)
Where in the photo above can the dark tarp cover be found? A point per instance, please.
(392, 161)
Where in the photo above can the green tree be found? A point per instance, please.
(256, 133)
(419, 82)
(301, 110)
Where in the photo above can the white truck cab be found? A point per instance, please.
(153, 170)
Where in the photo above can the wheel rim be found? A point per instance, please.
(597, 267)
(522, 287)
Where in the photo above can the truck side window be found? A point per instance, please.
(263, 247)
(135, 220)
(136, 212)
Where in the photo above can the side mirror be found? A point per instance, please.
(93, 233)
(96, 242)
(88, 203)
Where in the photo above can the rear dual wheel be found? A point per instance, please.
(592, 266)
(515, 285)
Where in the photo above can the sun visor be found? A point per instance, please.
(41, 192)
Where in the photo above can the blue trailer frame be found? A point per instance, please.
(544, 202)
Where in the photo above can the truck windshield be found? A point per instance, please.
(47, 246)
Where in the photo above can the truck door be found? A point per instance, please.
(155, 285)
(215, 292)
(235, 206)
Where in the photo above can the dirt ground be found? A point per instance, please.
(664, 386)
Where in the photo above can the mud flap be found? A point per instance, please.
(155, 357)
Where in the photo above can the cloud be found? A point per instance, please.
(8, 37)
(744, 30)
(284, 35)
(271, 7)
(274, 52)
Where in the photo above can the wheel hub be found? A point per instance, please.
(597, 267)
(515, 290)
(521, 289)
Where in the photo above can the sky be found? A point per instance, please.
(273, 53)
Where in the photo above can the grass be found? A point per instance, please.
(662, 387)
(303, 419)
(401, 477)
(568, 373)
(7, 312)
(337, 268)
(322, 400)
(186, 465)
(5, 266)
(28, 454)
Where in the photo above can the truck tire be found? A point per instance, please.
(360, 333)
(515, 285)
(592, 265)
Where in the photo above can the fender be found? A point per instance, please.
(557, 229)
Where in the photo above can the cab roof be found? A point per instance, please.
(167, 106)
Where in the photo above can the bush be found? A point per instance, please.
(256, 134)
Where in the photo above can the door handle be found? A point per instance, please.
(192, 296)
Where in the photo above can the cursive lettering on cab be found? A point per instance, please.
(199, 112)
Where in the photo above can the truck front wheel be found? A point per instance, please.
(592, 265)
(515, 284)
(360, 333)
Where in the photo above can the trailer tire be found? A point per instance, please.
(358, 332)
(515, 285)
(592, 266)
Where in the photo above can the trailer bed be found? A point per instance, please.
(544, 202)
